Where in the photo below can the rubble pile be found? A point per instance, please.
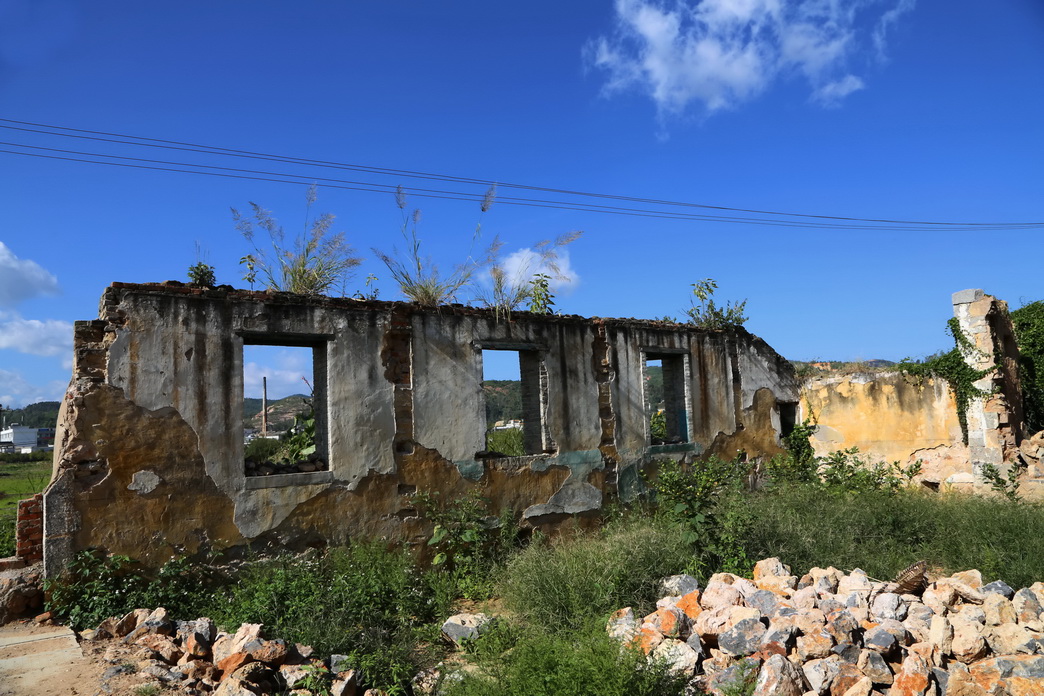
(194, 658)
(830, 633)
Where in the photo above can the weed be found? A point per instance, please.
(507, 441)
(147, 690)
(314, 263)
(564, 584)
(527, 662)
(417, 275)
(201, 274)
(468, 542)
(1005, 484)
(708, 315)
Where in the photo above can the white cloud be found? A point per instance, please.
(884, 25)
(721, 53)
(284, 367)
(832, 94)
(50, 337)
(17, 392)
(523, 264)
(22, 279)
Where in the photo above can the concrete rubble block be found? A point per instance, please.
(678, 585)
(1017, 675)
(820, 673)
(679, 656)
(847, 676)
(671, 622)
(779, 677)
(888, 606)
(806, 598)
(745, 586)
(164, 646)
(914, 677)
(1010, 639)
(939, 598)
(463, 627)
(998, 610)
(622, 625)
(743, 638)
(999, 587)
(875, 667)
(1027, 610)
(712, 622)
(814, 645)
(718, 594)
(770, 567)
(233, 643)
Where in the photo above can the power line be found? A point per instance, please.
(839, 222)
(449, 195)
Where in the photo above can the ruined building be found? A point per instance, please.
(149, 452)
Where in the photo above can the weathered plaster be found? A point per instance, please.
(150, 450)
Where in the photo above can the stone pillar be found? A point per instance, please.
(994, 421)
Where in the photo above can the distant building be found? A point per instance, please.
(16, 438)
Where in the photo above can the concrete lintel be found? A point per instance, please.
(254, 483)
(967, 296)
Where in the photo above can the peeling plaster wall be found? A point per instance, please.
(149, 449)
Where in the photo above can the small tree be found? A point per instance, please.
(708, 315)
(418, 277)
(315, 262)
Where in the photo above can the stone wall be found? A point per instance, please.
(894, 417)
(29, 530)
(149, 449)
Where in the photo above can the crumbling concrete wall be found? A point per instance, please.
(149, 448)
(894, 417)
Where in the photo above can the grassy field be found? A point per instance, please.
(18, 481)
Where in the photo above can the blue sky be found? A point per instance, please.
(898, 109)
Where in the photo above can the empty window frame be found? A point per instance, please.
(788, 417)
(665, 378)
(514, 385)
(284, 406)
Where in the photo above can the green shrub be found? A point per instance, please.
(507, 442)
(564, 584)
(95, 587)
(588, 663)
(362, 601)
(262, 449)
(7, 533)
(707, 499)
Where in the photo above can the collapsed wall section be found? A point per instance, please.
(150, 446)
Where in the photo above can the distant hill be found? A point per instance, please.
(281, 412)
(503, 400)
(39, 415)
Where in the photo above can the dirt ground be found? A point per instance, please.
(43, 660)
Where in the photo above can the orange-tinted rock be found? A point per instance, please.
(233, 662)
(690, 604)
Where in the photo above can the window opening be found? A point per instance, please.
(514, 385)
(284, 407)
(788, 414)
(666, 398)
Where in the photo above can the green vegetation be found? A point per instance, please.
(566, 584)
(383, 607)
(314, 263)
(585, 663)
(508, 442)
(418, 277)
(503, 400)
(1029, 334)
(40, 415)
(952, 367)
(21, 476)
(707, 315)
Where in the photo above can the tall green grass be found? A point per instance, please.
(566, 584)
(883, 532)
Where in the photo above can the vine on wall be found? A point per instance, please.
(952, 367)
